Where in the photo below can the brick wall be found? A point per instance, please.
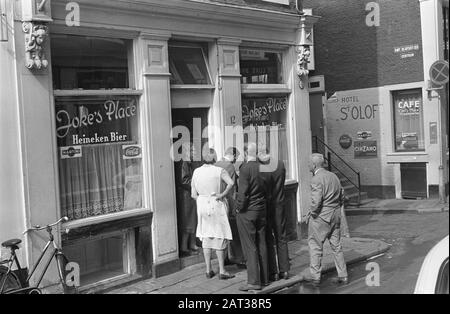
(352, 55)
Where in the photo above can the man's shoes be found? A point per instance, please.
(241, 265)
(314, 282)
(250, 287)
(225, 276)
(210, 274)
(340, 280)
(274, 277)
(185, 253)
(195, 251)
(284, 275)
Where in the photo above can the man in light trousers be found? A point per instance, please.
(327, 196)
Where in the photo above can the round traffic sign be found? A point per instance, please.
(439, 72)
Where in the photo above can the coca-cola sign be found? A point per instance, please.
(131, 151)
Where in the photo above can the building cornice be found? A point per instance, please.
(195, 10)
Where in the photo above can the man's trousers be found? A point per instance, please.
(252, 232)
(319, 230)
(277, 243)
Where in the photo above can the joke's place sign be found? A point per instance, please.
(88, 121)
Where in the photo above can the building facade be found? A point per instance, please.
(95, 96)
(371, 100)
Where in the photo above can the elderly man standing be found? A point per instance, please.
(325, 220)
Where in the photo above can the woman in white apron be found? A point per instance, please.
(213, 227)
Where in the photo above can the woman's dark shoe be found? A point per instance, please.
(225, 276)
(210, 274)
(340, 280)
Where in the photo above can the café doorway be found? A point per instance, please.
(195, 120)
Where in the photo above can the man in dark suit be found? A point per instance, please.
(235, 254)
(325, 220)
(277, 242)
(251, 203)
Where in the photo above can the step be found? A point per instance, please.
(353, 199)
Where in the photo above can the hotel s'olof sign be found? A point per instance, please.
(84, 121)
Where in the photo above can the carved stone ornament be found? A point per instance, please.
(302, 64)
(35, 38)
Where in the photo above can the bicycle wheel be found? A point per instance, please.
(11, 281)
(62, 262)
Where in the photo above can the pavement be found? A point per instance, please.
(192, 280)
(397, 206)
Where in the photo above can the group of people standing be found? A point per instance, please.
(240, 214)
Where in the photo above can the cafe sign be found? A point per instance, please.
(88, 121)
(263, 110)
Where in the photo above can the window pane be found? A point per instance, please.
(81, 62)
(98, 259)
(100, 167)
(188, 65)
(258, 115)
(260, 67)
(408, 118)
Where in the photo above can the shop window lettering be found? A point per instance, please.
(113, 110)
(409, 107)
(253, 113)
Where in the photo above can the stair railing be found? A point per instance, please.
(328, 157)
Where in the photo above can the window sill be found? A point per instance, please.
(104, 218)
(397, 154)
(96, 92)
(265, 88)
(192, 86)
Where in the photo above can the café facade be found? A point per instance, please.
(94, 94)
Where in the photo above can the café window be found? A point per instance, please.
(188, 64)
(97, 127)
(264, 121)
(260, 66)
(408, 120)
(83, 62)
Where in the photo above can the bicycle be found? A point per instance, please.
(18, 281)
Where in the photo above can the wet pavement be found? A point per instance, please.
(411, 237)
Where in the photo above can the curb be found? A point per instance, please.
(326, 268)
(375, 211)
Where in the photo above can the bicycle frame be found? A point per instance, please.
(25, 284)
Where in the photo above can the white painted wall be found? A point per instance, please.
(12, 220)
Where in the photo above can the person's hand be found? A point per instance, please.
(219, 197)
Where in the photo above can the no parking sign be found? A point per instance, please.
(439, 72)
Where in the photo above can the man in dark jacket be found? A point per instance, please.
(251, 203)
(277, 242)
(325, 220)
(235, 254)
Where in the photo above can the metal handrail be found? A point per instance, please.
(330, 164)
(331, 150)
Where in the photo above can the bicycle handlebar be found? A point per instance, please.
(39, 228)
